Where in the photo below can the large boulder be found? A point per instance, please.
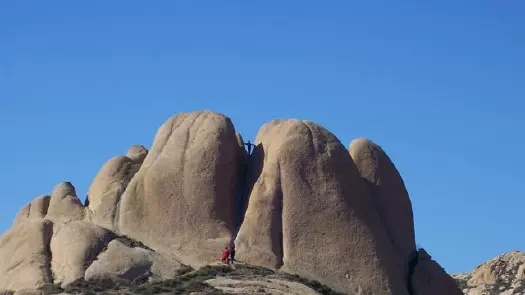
(131, 264)
(73, 247)
(110, 183)
(310, 213)
(64, 205)
(182, 200)
(25, 255)
(389, 195)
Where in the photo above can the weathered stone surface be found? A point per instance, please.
(310, 213)
(64, 205)
(503, 274)
(122, 263)
(29, 292)
(137, 153)
(25, 255)
(388, 194)
(182, 200)
(429, 278)
(73, 247)
(110, 183)
(37, 209)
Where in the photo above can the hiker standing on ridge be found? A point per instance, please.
(249, 144)
(232, 253)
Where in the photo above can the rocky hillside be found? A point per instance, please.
(502, 275)
(300, 204)
(209, 280)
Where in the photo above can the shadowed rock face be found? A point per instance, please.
(301, 203)
(309, 212)
(182, 200)
(430, 278)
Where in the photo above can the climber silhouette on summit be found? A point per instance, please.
(250, 145)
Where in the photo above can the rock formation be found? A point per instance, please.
(182, 200)
(309, 211)
(301, 204)
(503, 275)
(110, 183)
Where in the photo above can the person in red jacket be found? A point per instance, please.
(225, 257)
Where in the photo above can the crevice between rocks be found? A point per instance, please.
(250, 169)
(48, 235)
(131, 172)
(413, 261)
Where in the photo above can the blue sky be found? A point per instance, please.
(440, 86)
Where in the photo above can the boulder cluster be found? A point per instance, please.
(300, 203)
(503, 275)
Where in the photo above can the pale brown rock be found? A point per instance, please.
(25, 255)
(64, 205)
(122, 263)
(310, 213)
(504, 273)
(182, 200)
(389, 195)
(37, 209)
(74, 246)
(110, 183)
(137, 153)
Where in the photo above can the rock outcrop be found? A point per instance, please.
(309, 212)
(64, 205)
(300, 204)
(182, 200)
(25, 255)
(126, 264)
(501, 275)
(73, 247)
(388, 193)
(110, 183)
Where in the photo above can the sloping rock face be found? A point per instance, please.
(388, 193)
(310, 213)
(110, 183)
(502, 275)
(74, 246)
(25, 256)
(182, 200)
(126, 264)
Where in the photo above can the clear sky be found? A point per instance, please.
(440, 86)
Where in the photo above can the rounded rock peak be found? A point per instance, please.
(362, 142)
(63, 190)
(137, 153)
